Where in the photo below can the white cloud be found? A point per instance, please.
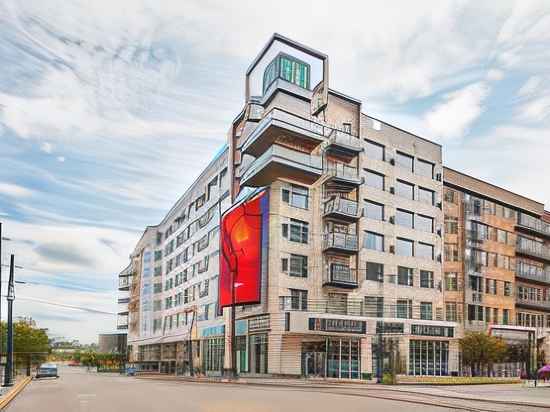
(536, 110)
(531, 86)
(495, 75)
(452, 118)
(13, 190)
(46, 147)
(60, 159)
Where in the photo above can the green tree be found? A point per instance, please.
(480, 351)
(30, 344)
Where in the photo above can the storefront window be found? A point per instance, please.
(343, 358)
(212, 355)
(258, 353)
(428, 357)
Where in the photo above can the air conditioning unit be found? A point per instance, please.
(392, 161)
(392, 190)
(392, 249)
(392, 220)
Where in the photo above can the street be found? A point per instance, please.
(80, 391)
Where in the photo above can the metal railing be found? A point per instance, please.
(338, 273)
(544, 304)
(533, 273)
(341, 205)
(341, 241)
(540, 251)
(358, 307)
(534, 224)
(342, 171)
(344, 138)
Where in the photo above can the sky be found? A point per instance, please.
(110, 109)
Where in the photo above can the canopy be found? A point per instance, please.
(544, 369)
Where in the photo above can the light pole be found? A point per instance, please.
(8, 371)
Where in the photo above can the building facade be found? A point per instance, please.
(371, 249)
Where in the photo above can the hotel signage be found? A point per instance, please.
(338, 325)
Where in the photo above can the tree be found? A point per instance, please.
(480, 351)
(30, 344)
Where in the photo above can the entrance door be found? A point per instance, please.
(314, 359)
(258, 353)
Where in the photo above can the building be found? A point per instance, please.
(112, 343)
(365, 251)
(172, 293)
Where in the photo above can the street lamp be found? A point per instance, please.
(8, 374)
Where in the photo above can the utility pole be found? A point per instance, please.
(8, 371)
(233, 338)
(1, 333)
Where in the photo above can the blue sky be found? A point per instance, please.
(108, 110)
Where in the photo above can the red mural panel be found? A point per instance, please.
(241, 251)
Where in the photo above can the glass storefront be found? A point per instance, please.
(428, 357)
(212, 354)
(258, 353)
(334, 358)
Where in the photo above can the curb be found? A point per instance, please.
(15, 390)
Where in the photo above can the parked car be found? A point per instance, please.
(73, 363)
(47, 370)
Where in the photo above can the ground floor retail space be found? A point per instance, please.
(310, 356)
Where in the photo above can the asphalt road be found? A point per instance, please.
(79, 391)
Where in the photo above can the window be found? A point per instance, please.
(298, 231)
(404, 189)
(374, 210)
(424, 223)
(426, 312)
(491, 286)
(404, 218)
(374, 241)
(450, 196)
(426, 196)
(426, 279)
(157, 288)
(405, 161)
(297, 196)
(507, 288)
(404, 276)
(298, 266)
(451, 281)
(450, 312)
(158, 255)
(424, 168)
(287, 68)
(346, 127)
(298, 299)
(404, 309)
(375, 271)
(425, 250)
(404, 247)
(428, 357)
(374, 150)
(451, 252)
(451, 225)
(374, 306)
(375, 180)
(505, 316)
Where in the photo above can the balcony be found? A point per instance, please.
(533, 225)
(280, 162)
(340, 276)
(342, 143)
(340, 242)
(343, 174)
(122, 322)
(341, 208)
(540, 251)
(538, 275)
(533, 304)
(280, 125)
(124, 282)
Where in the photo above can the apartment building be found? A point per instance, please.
(172, 292)
(496, 258)
(355, 226)
(360, 249)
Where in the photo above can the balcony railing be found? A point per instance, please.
(123, 300)
(340, 241)
(344, 172)
(340, 141)
(542, 304)
(534, 224)
(122, 322)
(542, 251)
(339, 275)
(358, 307)
(124, 282)
(341, 207)
(538, 274)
